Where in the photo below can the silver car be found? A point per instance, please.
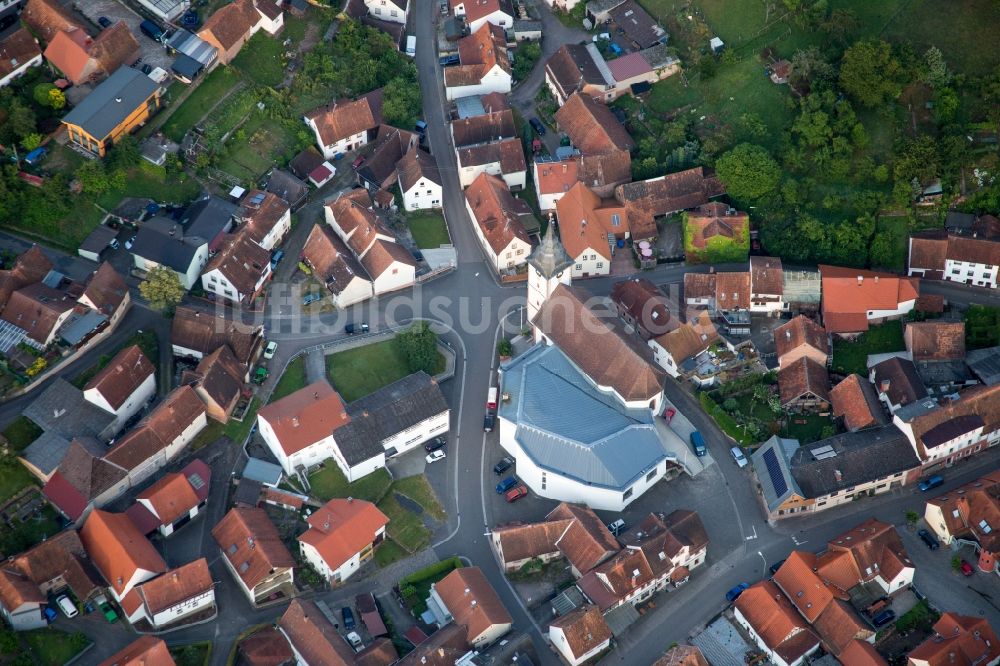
(741, 460)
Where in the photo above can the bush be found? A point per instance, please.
(505, 348)
(431, 571)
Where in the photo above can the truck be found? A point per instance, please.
(698, 444)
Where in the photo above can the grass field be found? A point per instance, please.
(21, 432)
(149, 180)
(265, 143)
(419, 490)
(807, 432)
(405, 527)
(330, 482)
(260, 60)
(982, 326)
(292, 380)
(358, 372)
(852, 355)
(50, 647)
(389, 552)
(18, 537)
(13, 477)
(213, 88)
(428, 228)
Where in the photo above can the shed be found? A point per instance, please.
(94, 245)
(186, 68)
(268, 474)
(716, 45)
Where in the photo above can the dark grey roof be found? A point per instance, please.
(956, 220)
(951, 429)
(933, 373)
(209, 217)
(386, 412)
(262, 471)
(550, 257)
(98, 239)
(162, 240)
(62, 409)
(247, 492)
(112, 102)
(186, 66)
(985, 364)
(79, 326)
(770, 464)
(193, 47)
(46, 452)
(851, 459)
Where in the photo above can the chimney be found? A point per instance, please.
(350, 499)
(295, 421)
(884, 385)
(467, 590)
(837, 474)
(861, 278)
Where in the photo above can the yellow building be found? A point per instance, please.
(122, 103)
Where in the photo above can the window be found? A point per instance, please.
(579, 267)
(651, 476)
(520, 251)
(627, 494)
(616, 220)
(600, 264)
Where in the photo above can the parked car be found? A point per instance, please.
(884, 618)
(358, 161)
(354, 639)
(505, 464)
(129, 243)
(106, 608)
(146, 68)
(616, 527)
(418, 255)
(50, 614)
(506, 484)
(434, 456)
(151, 30)
(734, 594)
(276, 258)
(348, 616)
(444, 7)
(272, 347)
(669, 415)
(515, 494)
(928, 539)
(104, 21)
(488, 421)
(114, 244)
(698, 444)
(931, 482)
(435, 444)
(420, 127)
(67, 606)
(966, 568)
(449, 60)
(538, 126)
(311, 298)
(353, 329)
(741, 460)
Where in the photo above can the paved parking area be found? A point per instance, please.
(150, 52)
(978, 594)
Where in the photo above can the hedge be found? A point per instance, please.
(435, 569)
(724, 420)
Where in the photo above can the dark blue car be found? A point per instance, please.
(734, 594)
(506, 485)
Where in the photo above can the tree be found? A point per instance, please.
(748, 171)
(937, 74)
(528, 53)
(124, 155)
(162, 288)
(870, 73)
(41, 94)
(32, 141)
(419, 346)
(20, 122)
(840, 25)
(57, 99)
(401, 100)
(810, 67)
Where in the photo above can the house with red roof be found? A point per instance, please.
(854, 298)
(478, 13)
(120, 552)
(123, 386)
(255, 554)
(173, 501)
(168, 599)
(969, 258)
(499, 219)
(298, 429)
(970, 514)
(144, 651)
(484, 65)
(342, 536)
(464, 597)
(958, 640)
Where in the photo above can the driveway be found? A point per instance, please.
(149, 51)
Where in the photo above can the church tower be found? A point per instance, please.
(548, 267)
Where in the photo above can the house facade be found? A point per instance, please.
(254, 553)
(466, 598)
(171, 597)
(298, 429)
(498, 221)
(967, 259)
(100, 121)
(342, 536)
(346, 125)
(419, 180)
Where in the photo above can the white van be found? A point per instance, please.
(411, 45)
(491, 399)
(66, 606)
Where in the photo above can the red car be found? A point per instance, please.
(515, 494)
(669, 414)
(966, 567)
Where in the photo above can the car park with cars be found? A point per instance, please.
(505, 464)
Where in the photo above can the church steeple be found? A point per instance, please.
(548, 267)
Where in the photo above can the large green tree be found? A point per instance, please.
(870, 73)
(419, 345)
(748, 172)
(162, 288)
(401, 101)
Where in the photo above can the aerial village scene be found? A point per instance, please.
(499, 332)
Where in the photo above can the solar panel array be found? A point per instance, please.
(774, 470)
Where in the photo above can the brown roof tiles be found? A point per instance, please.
(478, 53)
(483, 129)
(800, 331)
(29, 267)
(585, 220)
(242, 262)
(586, 541)
(17, 49)
(106, 290)
(345, 118)
(306, 416)
(417, 164)
(959, 640)
(313, 637)
(803, 377)
(37, 309)
(231, 23)
(854, 398)
(935, 340)
(472, 601)
(668, 194)
(508, 153)
(122, 377)
(572, 68)
(699, 285)
(682, 655)
(144, 651)
(766, 276)
(330, 259)
(849, 293)
(114, 47)
(929, 249)
(774, 619)
(47, 17)
(497, 212)
(591, 126)
(645, 304)
(251, 543)
(176, 586)
(982, 402)
(716, 219)
(260, 219)
(732, 291)
(220, 377)
(584, 628)
(117, 548)
(689, 339)
(204, 333)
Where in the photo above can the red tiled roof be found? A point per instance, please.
(497, 212)
(144, 651)
(176, 586)
(251, 543)
(122, 377)
(849, 293)
(800, 331)
(64, 496)
(472, 601)
(935, 340)
(801, 377)
(958, 640)
(732, 291)
(556, 177)
(231, 23)
(117, 548)
(861, 653)
(265, 647)
(774, 619)
(584, 628)
(629, 66)
(342, 528)
(854, 399)
(591, 126)
(645, 304)
(345, 118)
(766, 276)
(306, 416)
(313, 636)
(802, 586)
(16, 50)
(585, 220)
(48, 17)
(478, 53)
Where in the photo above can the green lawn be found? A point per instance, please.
(21, 432)
(428, 228)
(257, 146)
(852, 355)
(389, 552)
(18, 537)
(260, 60)
(149, 180)
(405, 527)
(13, 478)
(358, 372)
(416, 587)
(810, 431)
(982, 326)
(212, 88)
(292, 380)
(196, 654)
(717, 250)
(49, 647)
(419, 490)
(330, 482)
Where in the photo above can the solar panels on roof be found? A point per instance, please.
(196, 481)
(824, 452)
(774, 471)
(257, 199)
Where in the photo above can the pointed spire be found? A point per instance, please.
(550, 257)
